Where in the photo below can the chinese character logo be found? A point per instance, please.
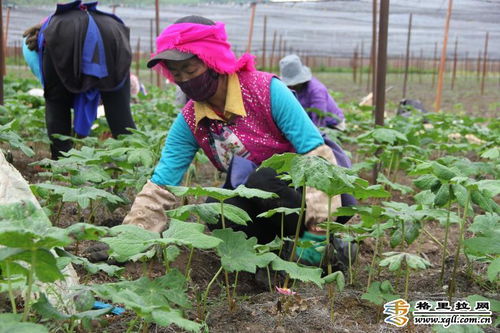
(397, 311)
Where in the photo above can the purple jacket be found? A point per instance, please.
(316, 95)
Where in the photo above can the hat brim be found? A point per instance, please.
(173, 55)
(304, 76)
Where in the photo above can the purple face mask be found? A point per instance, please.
(202, 87)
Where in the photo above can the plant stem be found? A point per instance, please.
(331, 295)
(228, 292)
(235, 284)
(131, 324)
(282, 232)
(205, 296)
(222, 214)
(407, 279)
(93, 208)
(269, 279)
(459, 245)
(188, 266)
(446, 231)
(350, 262)
(27, 298)
(11, 294)
(59, 212)
(327, 253)
(297, 231)
(375, 254)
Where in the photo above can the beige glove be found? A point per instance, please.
(31, 35)
(317, 201)
(148, 209)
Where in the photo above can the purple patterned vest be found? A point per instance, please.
(257, 131)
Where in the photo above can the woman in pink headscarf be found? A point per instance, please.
(239, 117)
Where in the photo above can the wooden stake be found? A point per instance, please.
(151, 48)
(407, 60)
(374, 51)
(442, 63)
(280, 49)
(354, 63)
(7, 21)
(485, 60)
(362, 54)
(253, 5)
(271, 65)
(434, 65)
(381, 62)
(2, 53)
(478, 71)
(157, 33)
(455, 58)
(420, 65)
(264, 43)
(137, 57)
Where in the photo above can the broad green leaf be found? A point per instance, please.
(92, 268)
(81, 195)
(494, 304)
(238, 253)
(412, 231)
(387, 135)
(298, 272)
(425, 197)
(491, 186)
(373, 191)
(280, 210)
(337, 277)
(84, 231)
(460, 193)
(280, 162)
(9, 324)
(486, 225)
(129, 241)
(416, 262)
(187, 234)
(443, 195)
(167, 318)
(210, 213)
(393, 261)
(396, 187)
(442, 171)
(48, 311)
(379, 293)
(426, 182)
(493, 270)
(484, 201)
(43, 263)
(492, 154)
(482, 245)
(220, 194)
(171, 253)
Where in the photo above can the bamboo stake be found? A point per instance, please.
(253, 5)
(7, 21)
(442, 63)
(434, 65)
(455, 58)
(485, 60)
(264, 43)
(407, 60)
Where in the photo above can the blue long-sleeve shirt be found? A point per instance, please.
(288, 114)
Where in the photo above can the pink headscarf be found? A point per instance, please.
(208, 42)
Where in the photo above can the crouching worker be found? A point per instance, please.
(239, 117)
(312, 94)
(81, 55)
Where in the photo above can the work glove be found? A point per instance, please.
(32, 37)
(148, 209)
(317, 201)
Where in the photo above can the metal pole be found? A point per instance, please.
(253, 5)
(271, 65)
(442, 63)
(381, 62)
(157, 30)
(264, 43)
(407, 61)
(485, 60)
(455, 58)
